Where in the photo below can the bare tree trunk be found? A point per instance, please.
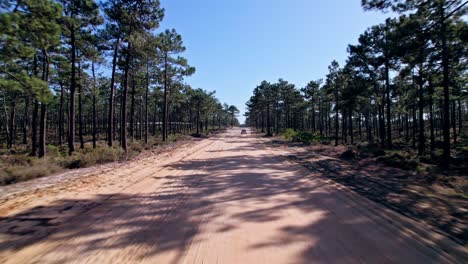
(80, 107)
(165, 110)
(26, 120)
(431, 115)
(123, 123)
(43, 128)
(110, 117)
(351, 126)
(34, 128)
(71, 121)
(11, 141)
(94, 114)
(454, 123)
(388, 104)
(132, 110)
(43, 120)
(422, 138)
(146, 102)
(445, 84)
(268, 121)
(7, 129)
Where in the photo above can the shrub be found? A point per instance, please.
(399, 160)
(107, 154)
(52, 150)
(6, 178)
(307, 137)
(289, 134)
(89, 156)
(370, 149)
(37, 168)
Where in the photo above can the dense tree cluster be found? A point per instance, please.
(404, 83)
(72, 71)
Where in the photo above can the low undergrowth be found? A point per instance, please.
(401, 156)
(305, 137)
(17, 165)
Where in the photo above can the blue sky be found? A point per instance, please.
(236, 44)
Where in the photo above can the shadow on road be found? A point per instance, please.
(170, 217)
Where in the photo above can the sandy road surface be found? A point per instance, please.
(227, 200)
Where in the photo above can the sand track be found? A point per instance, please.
(226, 199)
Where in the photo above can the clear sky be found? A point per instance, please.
(235, 44)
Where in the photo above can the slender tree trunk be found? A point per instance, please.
(34, 115)
(381, 125)
(263, 122)
(431, 115)
(42, 135)
(11, 141)
(146, 101)
(61, 115)
(34, 128)
(388, 104)
(5, 112)
(123, 118)
(344, 128)
(445, 84)
(313, 118)
(360, 126)
(268, 121)
(71, 121)
(407, 126)
(460, 117)
(351, 126)
(80, 107)
(198, 122)
(94, 114)
(165, 104)
(43, 120)
(454, 123)
(26, 120)
(414, 124)
(337, 127)
(110, 118)
(132, 109)
(422, 138)
(320, 118)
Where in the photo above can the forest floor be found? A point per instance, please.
(228, 198)
(440, 201)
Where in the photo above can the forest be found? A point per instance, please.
(403, 86)
(78, 73)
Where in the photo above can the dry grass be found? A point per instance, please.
(16, 165)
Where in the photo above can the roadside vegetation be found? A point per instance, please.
(403, 157)
(84, 83)
(402, 88)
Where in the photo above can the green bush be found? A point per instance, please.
(52, 150)
(289, 134)
(370, 149)
(307, 137)
(399, 160)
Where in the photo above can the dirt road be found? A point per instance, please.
(225, 200)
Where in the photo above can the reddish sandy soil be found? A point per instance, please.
(226, 199)
(440, 203)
